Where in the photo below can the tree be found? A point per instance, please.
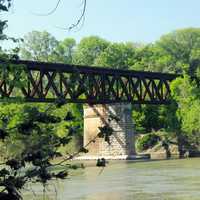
(42, 46)
(30, 132)
(64, 52)
(182, 46)
(152, 58)
(4, 6)
(117, 55)
(31, 136)
(39, 46)
(187, 95)
(89, 49)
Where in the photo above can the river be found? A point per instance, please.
(150, 180)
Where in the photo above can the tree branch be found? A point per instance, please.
(72, 26)
(76, 153)
(51, 11)
(81, 18)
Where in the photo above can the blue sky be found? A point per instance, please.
(115, 20)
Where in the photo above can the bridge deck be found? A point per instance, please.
(46, 82)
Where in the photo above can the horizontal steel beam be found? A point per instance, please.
(33, 65)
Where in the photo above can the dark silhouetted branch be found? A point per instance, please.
(50, 12)
(79, 21)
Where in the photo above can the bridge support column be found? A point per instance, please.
(122, 141)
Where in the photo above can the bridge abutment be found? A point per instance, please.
(122, 140)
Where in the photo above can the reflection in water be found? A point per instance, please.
(159, 180)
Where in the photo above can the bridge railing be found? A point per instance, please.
(46, 82)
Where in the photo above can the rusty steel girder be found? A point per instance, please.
(46, 82)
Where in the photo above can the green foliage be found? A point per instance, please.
(14, 76)
(150, 118)
(42, 46)
(139, 118)
(117, 55)
(176, 52)
(32, 130)
(89, 49)
(147, 141)
(187, 95)
(182, 46)
(152, 58)
(191, 119)
(105, 132)
(64, 51)
(39, 46)
(4, 7)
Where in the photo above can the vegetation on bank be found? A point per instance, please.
(177, 52)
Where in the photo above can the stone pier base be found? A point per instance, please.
(121, 142)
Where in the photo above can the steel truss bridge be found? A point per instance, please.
(46, 82)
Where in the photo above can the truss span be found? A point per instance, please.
(46, 82)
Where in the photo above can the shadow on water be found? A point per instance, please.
(152, 180)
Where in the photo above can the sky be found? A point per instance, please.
(115, 20)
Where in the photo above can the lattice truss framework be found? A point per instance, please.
(46, 82)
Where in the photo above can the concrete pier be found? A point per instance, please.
(121, 142)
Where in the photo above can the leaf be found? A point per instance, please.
(19, 182)
(114, 117)
(65, 140)
(69, 117)
(105, 132)
(72, 131)
(101, 135)
(44, 175)
(43, 117)
(27, 127)
(3, 8)
(30, 157)
(4, 172)
(3, 134)
(14, 164)
(61, 175)
(84, 150)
